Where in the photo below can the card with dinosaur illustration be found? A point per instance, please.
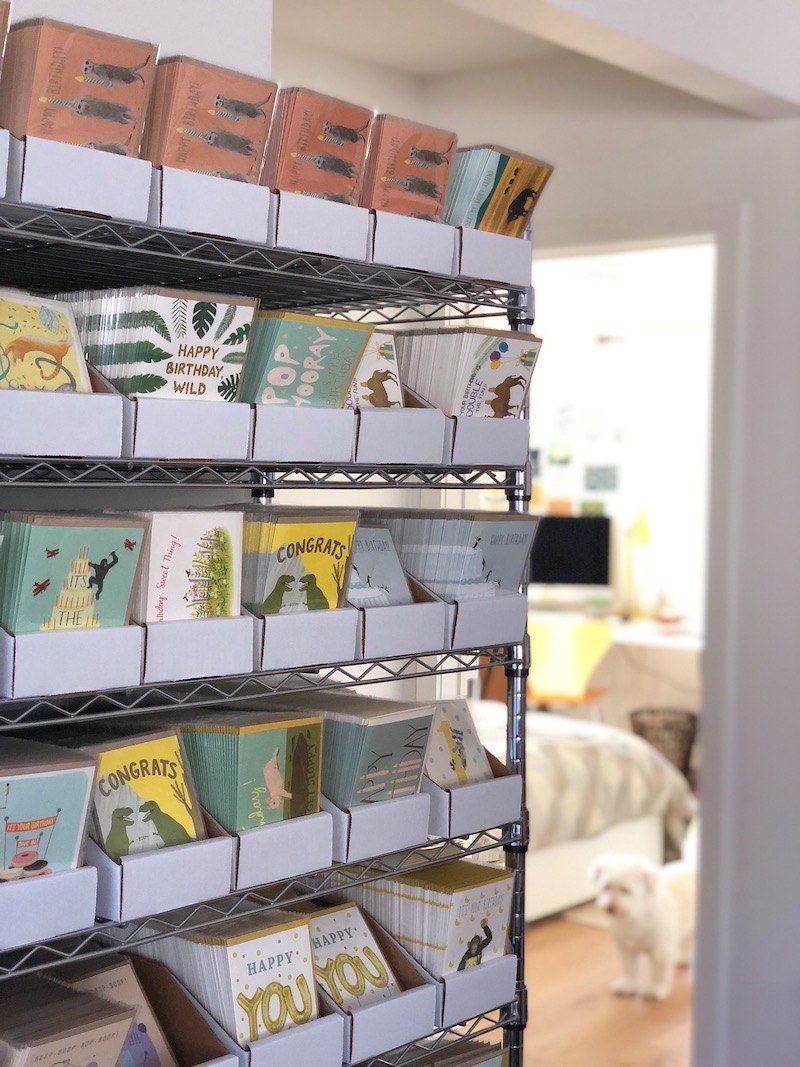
(301, 360)
(192, 566)
(45, 791)
(349, 964)
(407, 168)
(469, 372)
(317, 145)
(144, 797)
(296, 561)
(377, 578)
(74, 84)
(208, 119)
(376, 383)
(165, 343)
(252, 770)
(40, 347)
(66, 571)
(455, 755)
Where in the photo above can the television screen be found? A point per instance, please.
(571, 550)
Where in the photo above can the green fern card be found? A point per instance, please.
(157, 342)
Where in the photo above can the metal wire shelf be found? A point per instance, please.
(27, 472)
(105, 937)
(52, 251)
(50, 710)
(416, 1051)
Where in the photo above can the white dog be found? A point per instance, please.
(652, 912)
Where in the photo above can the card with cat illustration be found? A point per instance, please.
(317, 145)
(74, 84)
(407, 168)
(40, 347)
(208, 119)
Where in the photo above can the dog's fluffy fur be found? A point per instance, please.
(652, 912)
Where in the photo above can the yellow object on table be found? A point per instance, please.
(566, 647)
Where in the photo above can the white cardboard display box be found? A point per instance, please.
(386, 1024)
(481, 622)
(486, 442)
(5, 138)
(197, 648)
(415, 244)
(35, 909)
(69, 177)
(157, 427)
(403, 629)
(493, 257)
(324, 227)
(305, 639)
(470, 808)
(208, 204)
(147, 883)
(189, 1033)
(318, 1042)
(409, 435)
(84, 425)
(369, 830)
(469, 993)
(279, 851)
(303, 435)
(70, 661)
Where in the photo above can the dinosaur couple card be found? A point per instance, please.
(295, 561)
(469, 372)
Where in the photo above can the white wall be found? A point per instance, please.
(236, 35)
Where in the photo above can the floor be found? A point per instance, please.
(573, 1019)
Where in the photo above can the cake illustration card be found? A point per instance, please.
(166, 343)
(301, 360)
(144, 797)
(349, 963)
(192, 566)
(251, 771)
(208, 119)
(455, 755)
(39, 345)
(73, 84)
(377, 578)
(376, 383)
(45, 793)
(68, 572)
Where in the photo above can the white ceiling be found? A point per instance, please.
(423, 38)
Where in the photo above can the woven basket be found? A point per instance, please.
(670, 730)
